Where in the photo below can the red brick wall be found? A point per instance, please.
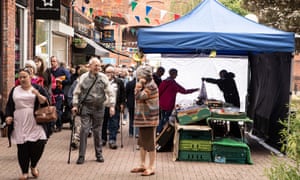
(8, 8)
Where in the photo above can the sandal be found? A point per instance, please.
(138, 170)
(23, 177)
(35, 172)
(148, 172)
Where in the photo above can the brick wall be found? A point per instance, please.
(8, 9)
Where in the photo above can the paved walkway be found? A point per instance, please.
(118, 163)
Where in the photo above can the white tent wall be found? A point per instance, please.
(191, 70)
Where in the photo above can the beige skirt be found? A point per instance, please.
(147, 138)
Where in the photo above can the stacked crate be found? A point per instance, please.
(195, 145)
(229, 150)
(195, 141)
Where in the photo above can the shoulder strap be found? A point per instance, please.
(88, 91)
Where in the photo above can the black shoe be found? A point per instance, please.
(73, 145)
(90, 134)
(103, 143)
(100, 159)
(113, 145)
(80, 160)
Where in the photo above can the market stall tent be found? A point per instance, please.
(211, 26)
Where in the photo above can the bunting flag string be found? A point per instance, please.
(97, 12)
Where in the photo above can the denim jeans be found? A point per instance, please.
(164, 119)
(113, 126)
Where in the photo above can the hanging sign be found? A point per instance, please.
(47, 9)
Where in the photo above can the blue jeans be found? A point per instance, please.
(164, 119)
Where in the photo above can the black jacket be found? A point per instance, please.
(228, 87)
(130, 98)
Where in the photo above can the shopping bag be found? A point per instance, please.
(203, 95)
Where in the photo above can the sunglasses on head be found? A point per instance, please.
(25, 70)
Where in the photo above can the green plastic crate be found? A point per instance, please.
(204, 156)
(223, 156)
(228, 150)
(195, 145)
(192, 135)
(192, 115)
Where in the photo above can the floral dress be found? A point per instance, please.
(25, 126)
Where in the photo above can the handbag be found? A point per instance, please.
(46, 114)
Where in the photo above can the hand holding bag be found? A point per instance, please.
(46, 114)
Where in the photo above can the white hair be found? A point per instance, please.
(32, 64)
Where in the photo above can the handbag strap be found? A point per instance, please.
(88, 91)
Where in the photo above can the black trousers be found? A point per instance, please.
(30, 153)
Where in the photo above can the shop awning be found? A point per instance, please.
(92, 48)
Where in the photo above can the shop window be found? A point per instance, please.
(42, 39)
(20, 34)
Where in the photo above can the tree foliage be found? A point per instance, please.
(280, 14)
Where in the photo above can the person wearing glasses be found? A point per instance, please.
(91, 93)
(30, 137)
(112, 123)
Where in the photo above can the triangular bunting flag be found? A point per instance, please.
(91, 11)
(176, 16)
(157, 21)
(133, 5)
(147, 20)
(148, 9)
(137, 18)
(82, 9)
(119, 15)
(109, 14)
(99, 13)
(162, 14)
(132, 30)
(127, 17)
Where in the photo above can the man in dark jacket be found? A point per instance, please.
(157, 75)
(113, 122)
(227, 85)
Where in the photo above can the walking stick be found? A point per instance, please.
(71, 138)
(121, 122)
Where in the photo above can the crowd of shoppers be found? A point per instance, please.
(98, 95)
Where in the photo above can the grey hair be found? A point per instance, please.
(145, 72)
(32, 64)
(93, 59)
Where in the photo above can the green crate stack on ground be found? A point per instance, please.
(195, 145)
(229, 150)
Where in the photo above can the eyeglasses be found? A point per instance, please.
(109, 72)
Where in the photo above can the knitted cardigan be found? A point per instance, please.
(147, 106)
